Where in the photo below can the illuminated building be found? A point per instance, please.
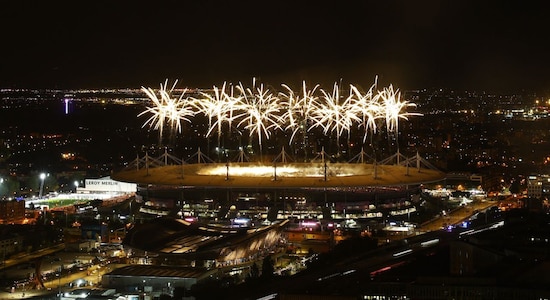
(12, 211)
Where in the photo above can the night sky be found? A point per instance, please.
(500, 46)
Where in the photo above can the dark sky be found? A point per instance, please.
(483, 45)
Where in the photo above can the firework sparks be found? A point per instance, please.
(257, 110)
(218, 107)
(167, 109)
(299, 108)
(370, 109)
(334, 115)
(393, 108)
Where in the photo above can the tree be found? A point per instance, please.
(165, 297)
(267, 267)
(254, 271)
(179, 293)
(515, 187)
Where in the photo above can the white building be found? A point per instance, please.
(106, 185)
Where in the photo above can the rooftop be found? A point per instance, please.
(311, 175)
(158, 271)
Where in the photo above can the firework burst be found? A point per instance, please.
(298, 108)
(336, 114)
(166, 109)
(259, 111)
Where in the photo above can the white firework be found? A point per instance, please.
(167, 110)
(258, 111)
(336, 114)
(298, 108)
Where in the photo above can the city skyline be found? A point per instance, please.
(467, 45)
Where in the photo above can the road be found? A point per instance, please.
(52, 259)
(92, 275)
(29, 257)
(456, 216)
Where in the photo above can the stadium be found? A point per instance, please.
(230, 213)
(318, 185)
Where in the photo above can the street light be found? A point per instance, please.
(75, 186)
(59, 283)
(42, 177)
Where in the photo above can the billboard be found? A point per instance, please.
(107, 185)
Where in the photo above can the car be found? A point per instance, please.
(78, 283)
